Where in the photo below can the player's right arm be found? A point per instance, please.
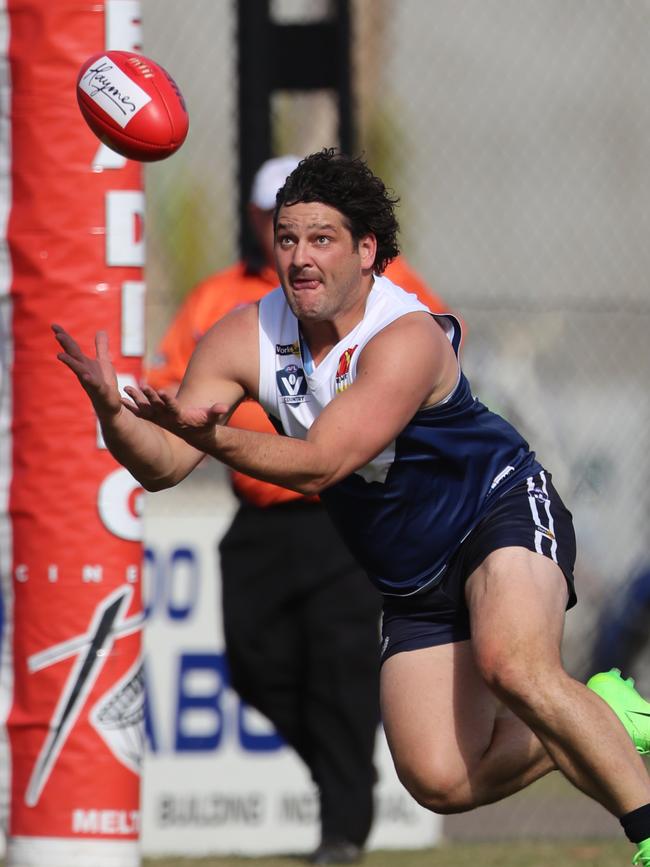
(156, 457)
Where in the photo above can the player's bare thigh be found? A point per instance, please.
(517, 600)
(438, 715)
(439, 706)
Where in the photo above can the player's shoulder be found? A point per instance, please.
(391, 315)
(239, 316)
(390, 296)
(401, 273)
(232, 333)
(390, 308)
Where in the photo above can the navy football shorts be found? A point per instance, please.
(531, 515)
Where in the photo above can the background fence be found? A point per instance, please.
(516, 133)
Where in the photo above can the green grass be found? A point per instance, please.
(532, 853)
(517, 854)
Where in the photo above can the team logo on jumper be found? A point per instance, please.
(292, 384)
(343, 375)
(287, 349)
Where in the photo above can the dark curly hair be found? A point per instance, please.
(347, 184)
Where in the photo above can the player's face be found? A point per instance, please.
(323, 272)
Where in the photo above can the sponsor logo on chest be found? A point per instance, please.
(287, 349)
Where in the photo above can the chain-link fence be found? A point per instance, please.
(516, 133)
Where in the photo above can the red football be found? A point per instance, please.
(133, 105)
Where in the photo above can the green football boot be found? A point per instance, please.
(642, 857)
(632, 710)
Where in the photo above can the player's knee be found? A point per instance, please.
(438, 789)
(514, 678)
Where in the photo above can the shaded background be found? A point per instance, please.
(516, 133)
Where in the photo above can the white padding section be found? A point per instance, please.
(64, 852)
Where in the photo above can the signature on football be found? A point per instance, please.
(99, 80)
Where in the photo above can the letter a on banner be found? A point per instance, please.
(71, 251)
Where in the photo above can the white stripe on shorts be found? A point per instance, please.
(544, 528)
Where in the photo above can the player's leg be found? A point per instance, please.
(516, 600)
(455, 746)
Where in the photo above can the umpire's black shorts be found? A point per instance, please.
(531, 515)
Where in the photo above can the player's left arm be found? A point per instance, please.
(408, 365)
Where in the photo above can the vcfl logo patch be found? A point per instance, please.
(91, 649)
(292, 384)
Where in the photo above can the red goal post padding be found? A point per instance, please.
(72, 560)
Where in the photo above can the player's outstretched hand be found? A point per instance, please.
(193, 424)
(96, 375)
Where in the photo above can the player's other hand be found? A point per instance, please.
(193, 424)
(96, 375)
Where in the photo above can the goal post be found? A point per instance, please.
(73, 253)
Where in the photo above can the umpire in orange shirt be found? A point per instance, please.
(308, 663)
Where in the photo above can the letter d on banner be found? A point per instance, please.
(70, 557)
